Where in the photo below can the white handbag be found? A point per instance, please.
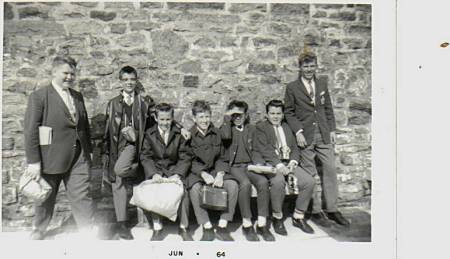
(36, 191)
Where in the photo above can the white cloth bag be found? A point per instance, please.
(162, 196)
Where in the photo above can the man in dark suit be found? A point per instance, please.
(237, 137)
(275, 143)
(66, 153)
(128, 110)
(165, 153)
(209, 166)
(309, 113)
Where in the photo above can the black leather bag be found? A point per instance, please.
(214, 198)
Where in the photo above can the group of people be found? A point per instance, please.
(141, 136)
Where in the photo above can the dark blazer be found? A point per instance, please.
(265, 143)
(301, 113)
(208, 154)
(114, 114)
(46, 108)
(226, 131)
(166, 160)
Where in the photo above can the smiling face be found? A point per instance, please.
(275, 115)
(164, 119)
(63, 75)
(129, 82)
(203, 120)
(308, 69)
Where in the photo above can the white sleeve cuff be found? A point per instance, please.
(35, 166)
(299, 131)
(278, 166)
(293, 161)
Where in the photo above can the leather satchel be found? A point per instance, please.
(214, 198)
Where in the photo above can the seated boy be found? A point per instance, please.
(209, 166)
(165, 153)
(275, 143)
(237, 138)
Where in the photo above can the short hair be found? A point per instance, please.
(307, 57)
(275, 103)
(164, 107)
(200, 106)
(239, 104)
(127, 70)
(61, 60)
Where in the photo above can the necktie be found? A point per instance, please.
(277, 134)
(312, 93)
(128, 99)
(69, 103)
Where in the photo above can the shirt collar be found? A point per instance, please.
(58, 88)
(241, 128)
(124, 94)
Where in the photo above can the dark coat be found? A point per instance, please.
(301, 113)
(165, 160)
(265, 143)
(226, 131)
(208, 154)
(114, 115)
(46, 108)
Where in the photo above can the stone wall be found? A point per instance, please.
(187, 51)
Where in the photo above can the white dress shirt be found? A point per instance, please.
(67, 99)
(164, 135)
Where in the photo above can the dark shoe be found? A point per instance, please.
(124, 232)
(158, 235)
(185, 234)
(223, 234)
(208, 234)
(250, 234)
(338, 218)
(278, 226)
(320, 219)
(265, 233)
(37, 235)
(301, 224)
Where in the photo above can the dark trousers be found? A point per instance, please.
(325, 153)
(76, 181)
(246, 179)
(306, 184)
(120, 198)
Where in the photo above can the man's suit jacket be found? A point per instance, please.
(226, 131)
(265, 143)
(47, 108)
(114, 114)
(301, 113)
(166, 160)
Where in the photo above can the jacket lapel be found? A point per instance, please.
(77, 104)
(271, 134)
(303, 89)
(55, 96)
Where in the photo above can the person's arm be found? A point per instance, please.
(146, 158)
(263, 147)
(184, 159)
(32, 121)
(222, 163)
(289, 111)
(329, 112)
(87, 129)
(226, 128)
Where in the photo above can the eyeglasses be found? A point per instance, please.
(128, 79)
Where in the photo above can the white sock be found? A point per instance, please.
(157, 225)
(246, 222)
(261, 221)
(223, 223)
(298, 214)
(183, 226)
(277, 215)
(207, 225)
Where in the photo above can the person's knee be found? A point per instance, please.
(245, 185)
(262, 185)
(308, 181)
(231, 186)
(278, 180)
(195, 189)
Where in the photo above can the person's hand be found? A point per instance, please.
(333, 137)
(185, 133)
(282, 169)
(209, 179)
(156, 177)
(218, 181)
(301, 141)
(292, 165)
(34, 172)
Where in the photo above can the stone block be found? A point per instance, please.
(354, 43)
(261, 68)
(5, 176)
(226, 42)
(118, 28)
(190, 81)
(88, 89)
(194, 6)
(329, 6)
(335, 43)
(169, 46)
(261, 42)
(191, 67)
(320, 14)
(119, 5)
(8, 13)
(285, 52)
(230, 67)
(27, 72)
(131, 40)
(247, 7)
(265, 55)
(360, 30)
(358, 117)
(85, 27)
(362, 104)
(205, 42)
(33, 28)
(32, 12)
(102, 15)
(7, 143)
(255, 19)
(9, 195)
(151, 5)
(343, 16)
(85, 4)
(280, 28)
(290, 9)
(146, 26)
